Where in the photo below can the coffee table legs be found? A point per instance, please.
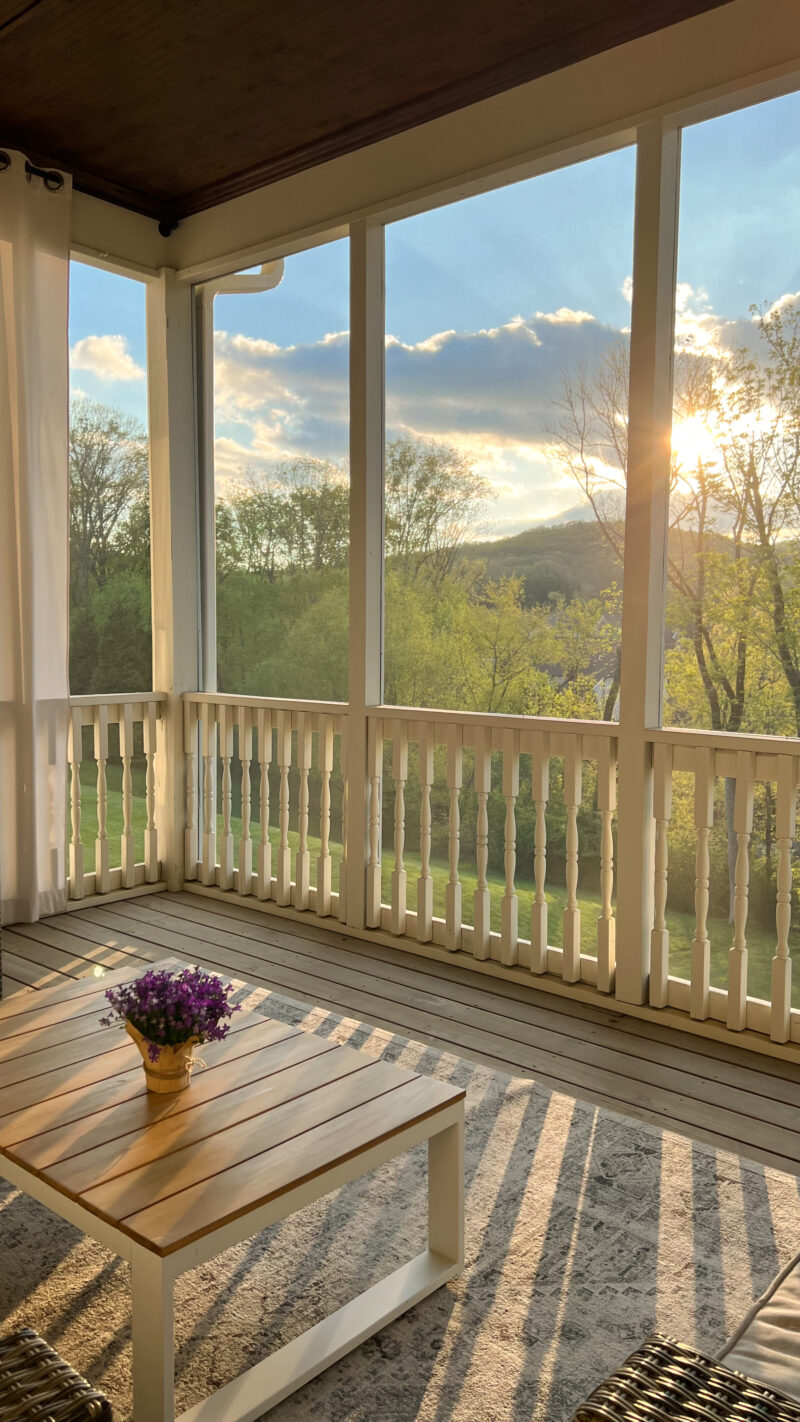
(152, 1287)
(446, 1193)
(266, 1384)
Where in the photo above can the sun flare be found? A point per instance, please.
(693, 443)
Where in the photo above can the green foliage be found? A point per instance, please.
(433, 498)
(110, 623)
(110, 636)
(284, 638)
(573, 560)
(529, 624)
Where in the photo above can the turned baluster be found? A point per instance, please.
(190, 839)
(325, 755)
(662, 813)
(283, 893)
(399, 776)
(453, 892)
(700, 990)
(127, 848)
(101, 854)
(264, 877)
(76, 868)
(425, 745)
(540, 792)
(225, 877)
(482, 911)
(573, 793)
(150, 733)
(342, 905)
(509, 909)
(302, 871)
(606, 804)
(245, 725)
(375, 775)
(208, 746)
(785, 825)
(743, 829)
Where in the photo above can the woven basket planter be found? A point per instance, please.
(173, 1068)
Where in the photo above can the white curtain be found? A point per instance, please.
(34, 539)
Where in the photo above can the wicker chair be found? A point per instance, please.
(664, 1381)
(36, 1385)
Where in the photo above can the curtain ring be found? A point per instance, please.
(52, 181)
(5, 160)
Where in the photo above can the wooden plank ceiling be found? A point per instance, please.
(171, 108)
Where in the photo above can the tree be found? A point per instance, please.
(760, 450)
(109, 519)
(294, 518)
(499, 643)
(318, 515)
(735, 499)
(586, 646)
(709, 557)
(433, 500)
(107, 482)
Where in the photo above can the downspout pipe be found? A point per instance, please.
(238, 284)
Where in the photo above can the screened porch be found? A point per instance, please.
(399, 569)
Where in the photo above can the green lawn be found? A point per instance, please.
(761, 940)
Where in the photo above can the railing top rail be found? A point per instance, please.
(278, 703)
(119, 698)
(497, 721)
(724, 740)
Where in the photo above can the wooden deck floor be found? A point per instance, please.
(708, 1090)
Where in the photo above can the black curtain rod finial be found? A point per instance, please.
(53, 181)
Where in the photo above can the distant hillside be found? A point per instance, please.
(569, 558)
(578, 513)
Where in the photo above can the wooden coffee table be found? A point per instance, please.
(280, 1118)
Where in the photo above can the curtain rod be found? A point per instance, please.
(52, 180)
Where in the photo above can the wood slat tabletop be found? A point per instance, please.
(274, 1107)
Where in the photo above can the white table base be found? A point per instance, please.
(270, 1381)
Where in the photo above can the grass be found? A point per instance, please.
(760, 938)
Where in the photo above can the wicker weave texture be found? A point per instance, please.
(36, 1385)
(664, 1381)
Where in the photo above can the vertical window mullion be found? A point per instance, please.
(646, 523)
(367, 345)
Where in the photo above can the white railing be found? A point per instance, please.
(115, 739)
(745, 763)
(480, 754)
(250, 826)
(496, 836)
(250, 763)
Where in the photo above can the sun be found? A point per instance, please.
(693, 443)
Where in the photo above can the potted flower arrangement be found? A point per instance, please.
(168, 1015)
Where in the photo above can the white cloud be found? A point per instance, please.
(106, 357)
(784, 303)
(488, 392)
(491, 393)
(564, 316)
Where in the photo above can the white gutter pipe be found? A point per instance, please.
(238, 284)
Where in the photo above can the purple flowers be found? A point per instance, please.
(169, 1008)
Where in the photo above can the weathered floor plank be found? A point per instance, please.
(709, 1091)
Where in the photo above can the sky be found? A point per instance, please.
(489, 302)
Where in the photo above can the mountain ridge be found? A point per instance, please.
(570, 558)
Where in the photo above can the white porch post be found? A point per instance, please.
(647, 510)
(174, 541)
(366, 539)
